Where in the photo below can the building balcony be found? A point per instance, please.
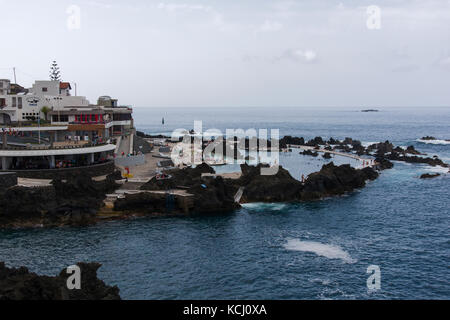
(18, 151)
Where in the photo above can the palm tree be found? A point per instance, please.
(45, 110)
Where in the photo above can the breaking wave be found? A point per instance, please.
(437, 169)
(325, 250)
(437, 141)
(368, 143)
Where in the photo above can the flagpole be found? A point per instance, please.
(39, 129)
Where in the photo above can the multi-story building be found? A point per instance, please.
(46, 117)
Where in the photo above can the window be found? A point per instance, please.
(14, 102)
(44, 89)
(62, 118)
(19, 100)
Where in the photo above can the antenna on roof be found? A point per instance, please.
(14, 70)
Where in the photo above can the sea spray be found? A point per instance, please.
(325, 250)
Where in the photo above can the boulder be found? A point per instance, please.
(308, 152)
(412, 150)
(383, 163)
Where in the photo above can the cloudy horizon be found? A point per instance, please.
(237, 54)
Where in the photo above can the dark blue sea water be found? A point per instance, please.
(315, 250)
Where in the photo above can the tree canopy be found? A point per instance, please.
(55, 74)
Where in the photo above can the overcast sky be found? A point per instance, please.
(235, 53)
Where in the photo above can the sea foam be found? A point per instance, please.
(437, 141)
(325, 250)
(264, 206)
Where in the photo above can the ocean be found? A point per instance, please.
(311, 250)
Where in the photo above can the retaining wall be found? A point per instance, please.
(63, 173)
(7, 179)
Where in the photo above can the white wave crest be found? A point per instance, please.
(264, 206)
(437, 141)
(437, 169)
(325, 250)
(368, 143)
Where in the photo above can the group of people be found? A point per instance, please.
(368, 162)
(65, 164)
(77, 139)
(123, 154)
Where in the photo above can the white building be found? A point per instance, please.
(5, 86)
(27, 105)
(76, 134)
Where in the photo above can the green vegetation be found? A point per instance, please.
(45, 110)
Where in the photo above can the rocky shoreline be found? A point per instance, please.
(21, 284)
(80, 200)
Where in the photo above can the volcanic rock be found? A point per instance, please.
(326, 155)
(429, 175)
(335, 180)
(267, 188)
(20, 284)
(74, 202)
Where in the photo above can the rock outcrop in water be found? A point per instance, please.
(78, 200)
(207, 196)
(383, 163)
(213, 197)
(71, 202)
(186, 177)
(282, 187)
(308, 152)
(383, 151)
(20, 284)
(334, 180)
(210, 195)
(290, 140)
(326, 155)
(429, 175)
(266, 188)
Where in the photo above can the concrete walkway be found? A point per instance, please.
(342, 154)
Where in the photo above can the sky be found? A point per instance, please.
(230, 53)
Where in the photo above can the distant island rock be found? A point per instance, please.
(431, 138)
(369, 110)
(429, 175)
